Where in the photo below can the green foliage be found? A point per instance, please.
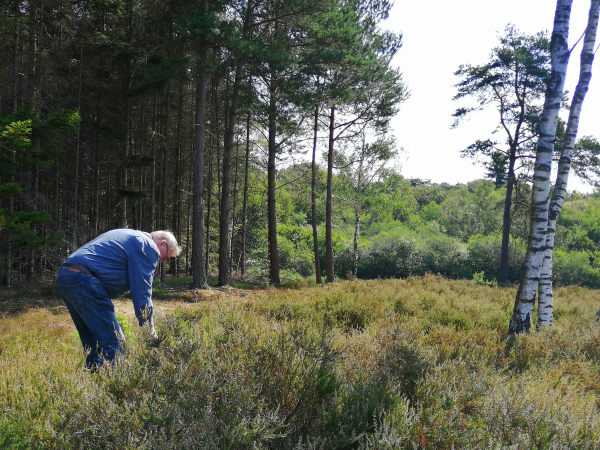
(484, 256)
(15, 135)
(575, 268)
(479, 278)
(8, 189)
(297, 254)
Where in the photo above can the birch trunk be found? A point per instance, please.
(545, 293)
(313, 193)
(520, 321)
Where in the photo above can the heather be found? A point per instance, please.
(422, 362)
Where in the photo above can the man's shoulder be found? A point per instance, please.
(126, 233)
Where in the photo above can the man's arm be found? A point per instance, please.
(142, 261)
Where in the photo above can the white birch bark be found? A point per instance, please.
(520, 321)
(545, 294)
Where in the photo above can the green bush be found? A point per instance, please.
(484, 256)
(298, 256)
(574, 268)
(445, 256)
(392, 256)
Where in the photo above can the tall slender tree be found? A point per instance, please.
(536, 246)
(545, 293)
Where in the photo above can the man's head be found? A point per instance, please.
(166, 243)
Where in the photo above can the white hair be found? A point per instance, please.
(171, 241)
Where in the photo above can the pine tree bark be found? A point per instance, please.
(506, 218)
(356, 235)
(176, 221)
(520, 321)
(15, 88)
(224, 270)
(271, 180)
(123, 223)
(245, 201)
(165, 175)
(313, 195)
(198, 269)
(153, 175)
(11, 200)
(78, 148)
(545, 292)
(211, 156)
(329, 270)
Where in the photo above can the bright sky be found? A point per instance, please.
(440, 35)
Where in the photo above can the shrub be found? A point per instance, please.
(574, 268)
(484, 256)
(445, 256)
(392, 256)
(297, 256)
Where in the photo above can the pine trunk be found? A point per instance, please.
(226, 188)
(227, 159)
(313, 194)
(329, 272)
(245, 205)
(153, 175)
(198, 269)
(271, 201)
(77, 149)
(234, 207)
(506, 219)
(15, 88)
(356, 234)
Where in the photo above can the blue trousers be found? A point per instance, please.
(93, 313)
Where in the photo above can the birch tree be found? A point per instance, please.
(536, 248)
(545, 293)
(362, 181)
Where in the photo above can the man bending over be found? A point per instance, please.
(113, 263)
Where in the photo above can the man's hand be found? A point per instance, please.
(154, 339)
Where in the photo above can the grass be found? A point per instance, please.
(421, 363)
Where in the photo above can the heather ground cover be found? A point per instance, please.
(419, 363)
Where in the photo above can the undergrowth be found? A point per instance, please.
(420, 363)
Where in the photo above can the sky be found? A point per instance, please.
(440, 35)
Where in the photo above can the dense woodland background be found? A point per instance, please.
(112, 111)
